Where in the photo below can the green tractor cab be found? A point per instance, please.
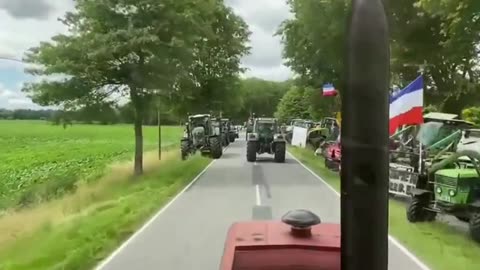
(201, 134)
(452, 187)
(266, 138)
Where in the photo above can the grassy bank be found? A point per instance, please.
(80, 229)
(438, 245)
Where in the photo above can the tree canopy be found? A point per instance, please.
(437, 37)
(136, 50)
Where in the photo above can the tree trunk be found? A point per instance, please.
(138, 164)
(138, 122)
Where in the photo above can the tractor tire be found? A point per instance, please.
(225, 141)
(215, 148)
(232, 138)
(279, 154)
(251, 151)
(416, 211)
(474, 226)
(184, 149)
(464, 219)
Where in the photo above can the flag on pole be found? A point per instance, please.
(406, 106)
(329, 90)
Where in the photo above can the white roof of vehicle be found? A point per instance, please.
(442, 116)
(199, 115)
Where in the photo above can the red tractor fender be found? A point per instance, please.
(255, 245)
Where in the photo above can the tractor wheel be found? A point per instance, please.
(416, 211)
(464, 219)
(232, 138)
(225, 140)
(251, 151)
(280, 153)
(475, 226)
(184, 150)
(215, 148)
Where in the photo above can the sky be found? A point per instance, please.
(25, 23)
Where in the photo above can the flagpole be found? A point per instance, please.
(420, 148)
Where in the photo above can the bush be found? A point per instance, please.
(472, 114)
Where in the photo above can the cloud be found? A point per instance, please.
(5, 93)
(276, 73)
(266, 14)
(24, 24)
(14, 99)
(263, 17)
(27, 9)
(266, 50)
(27, 22)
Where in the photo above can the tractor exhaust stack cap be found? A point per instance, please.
(301, 222)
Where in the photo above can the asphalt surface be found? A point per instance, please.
(189, 234)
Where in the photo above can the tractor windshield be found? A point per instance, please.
(198, 121)
(266, 127)
(433, 132)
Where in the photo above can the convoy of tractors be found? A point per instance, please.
(209, 135)
(436, 164)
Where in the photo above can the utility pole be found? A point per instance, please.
(159, 130)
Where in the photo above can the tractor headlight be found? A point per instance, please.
(452, 192)
(278, 136)
(439, 190)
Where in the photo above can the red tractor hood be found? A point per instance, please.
(262, 245)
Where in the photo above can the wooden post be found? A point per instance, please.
(159, 132)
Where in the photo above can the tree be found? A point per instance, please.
(313, 40)
(293, 105)
(120, 48)
(260, 97)
(425, 33)
(306, 103)
(214, 84)
(439, 36)
(472, 114)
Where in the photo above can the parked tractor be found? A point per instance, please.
(266, 138)
(451, 186)
(224, 129)
(202, 135)
(415, 149)
(229, 130)
(249, 125)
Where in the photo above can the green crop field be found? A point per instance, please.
(40, 160)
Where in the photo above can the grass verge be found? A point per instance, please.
(438, 245)
(79, 230)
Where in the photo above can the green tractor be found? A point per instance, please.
(249, 125)
(266, 138)
(223, 132)
(451, 186)
(229, 130)
(202, 135)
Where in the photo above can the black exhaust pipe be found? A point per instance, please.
(364, 138)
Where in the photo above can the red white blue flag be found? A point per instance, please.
(406, 106)
(329, 90)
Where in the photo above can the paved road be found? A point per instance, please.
(189, 234)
